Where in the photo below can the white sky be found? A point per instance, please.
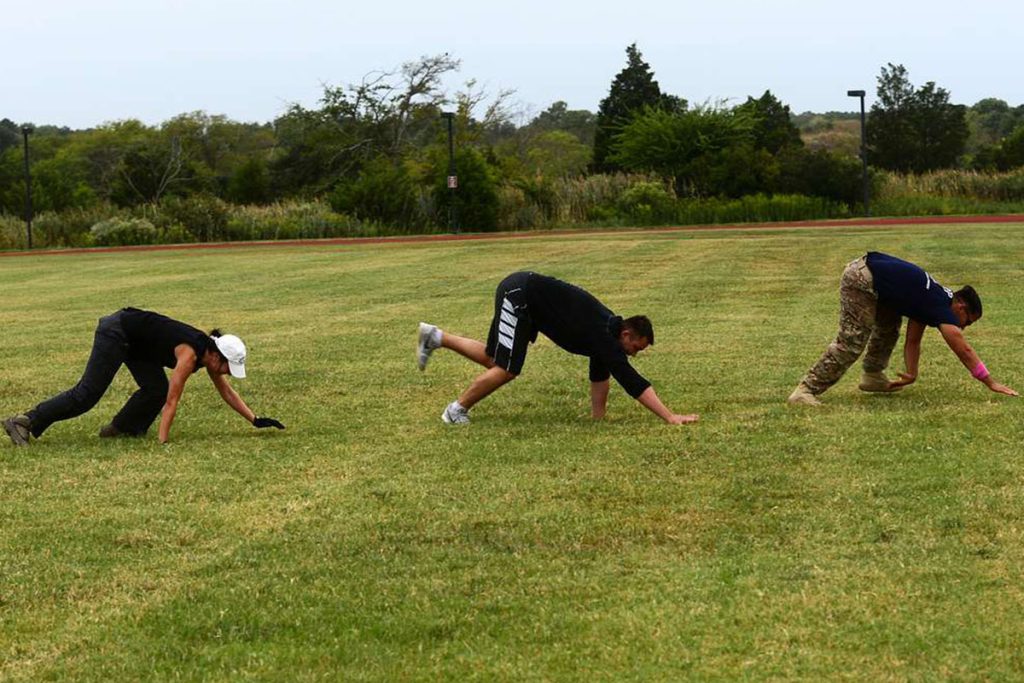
(82, 63)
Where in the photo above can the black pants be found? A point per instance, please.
(110, 350)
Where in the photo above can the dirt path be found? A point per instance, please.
(345, 241)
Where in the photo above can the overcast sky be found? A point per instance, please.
(82, 63)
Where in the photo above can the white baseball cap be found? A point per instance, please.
(232, 348)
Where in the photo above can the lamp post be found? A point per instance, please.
(25, 132)
(453, 179)
(863, 148)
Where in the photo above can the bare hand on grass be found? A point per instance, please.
(1002, 389)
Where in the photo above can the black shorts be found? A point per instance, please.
(512, 328)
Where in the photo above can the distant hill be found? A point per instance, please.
(838, 131)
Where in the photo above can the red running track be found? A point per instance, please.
(345, 241)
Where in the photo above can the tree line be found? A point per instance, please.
(377, 150)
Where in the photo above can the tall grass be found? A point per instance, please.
(952, 183)
(759, 209)
(287, 220)
(948, 192)
(942, 206)
(12, 232)
(564, 202)
(638, 200)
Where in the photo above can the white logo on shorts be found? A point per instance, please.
(507, 324)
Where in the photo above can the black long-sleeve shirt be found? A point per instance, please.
(576, 321)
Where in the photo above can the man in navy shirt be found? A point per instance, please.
(528, 303)
(875, 293)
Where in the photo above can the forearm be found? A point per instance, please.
(912, 357)
(598, 399)
(238, 405)
(968, 357)
(649, 399)
(166, 419)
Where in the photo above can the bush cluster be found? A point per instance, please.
(367, 208)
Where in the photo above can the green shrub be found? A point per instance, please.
(174, 234)
(71, 227)
(758, 209)
(12, 232)
(648, 202)
(383, 192)
(475, 200)
(820, 173)
(203, 215)
(528, 203)
(592, 198)
(250, 183)
(515, 211)
(123, 232)
(288, 220)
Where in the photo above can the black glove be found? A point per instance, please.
(262, 422)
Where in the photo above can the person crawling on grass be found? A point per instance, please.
(875, 293)
(528, 303)
(147, 343)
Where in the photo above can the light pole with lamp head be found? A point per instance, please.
(453, 179)
(863, 148)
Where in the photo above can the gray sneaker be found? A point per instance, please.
(428, 340)
(19, 428)
(455, 414)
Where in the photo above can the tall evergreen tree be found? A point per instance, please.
(10, 134)
(773, 125)
(914, 130)
(633, 89)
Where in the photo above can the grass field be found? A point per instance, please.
(876, 538)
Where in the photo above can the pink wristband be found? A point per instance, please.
(980, 371)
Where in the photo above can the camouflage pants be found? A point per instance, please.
(862, 322)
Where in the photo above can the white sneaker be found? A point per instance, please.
(428, 340)
(455, 414)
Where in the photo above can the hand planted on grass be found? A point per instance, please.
(682, 419)
(1002, 389)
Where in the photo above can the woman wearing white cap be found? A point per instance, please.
(147, 343)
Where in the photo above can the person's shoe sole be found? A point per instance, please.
(109, 432)
(876, 386)
(878, 389)
(422, 350)
(17, 432)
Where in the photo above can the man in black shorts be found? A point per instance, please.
(528, 303)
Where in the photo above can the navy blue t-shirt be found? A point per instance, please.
(910, 291)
